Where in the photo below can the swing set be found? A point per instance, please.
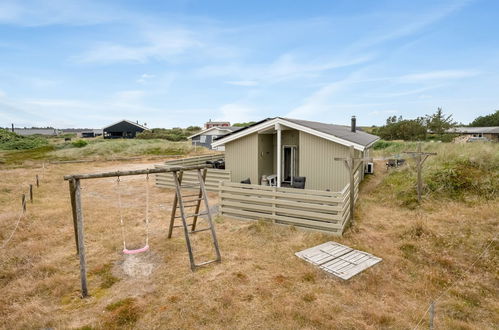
(179, 204)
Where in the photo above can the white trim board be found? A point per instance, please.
(273, 122)
(339, 260)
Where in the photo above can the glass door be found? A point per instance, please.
(289, 163)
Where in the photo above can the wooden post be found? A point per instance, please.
(73, 211)
(198, 202)
(175, 205)
(81, 237)
(420, 179)
(31, 193)
(352, 164)
(23, 202)
(420, 159)
(351, 168)
(432, 314)
(37, 181)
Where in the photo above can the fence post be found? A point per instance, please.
(37, 181)
(432, 314)
(23, 202)
(31, 193)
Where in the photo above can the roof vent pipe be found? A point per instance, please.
(354, 124)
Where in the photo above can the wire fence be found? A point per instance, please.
(24, 200)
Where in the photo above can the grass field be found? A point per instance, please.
(98, 149)
(426, 250)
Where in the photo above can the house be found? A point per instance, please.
(123, 129)
(83, 132)
(285, 148)
(37, 131)
(477, 133)
(207, 136)
(211, 124)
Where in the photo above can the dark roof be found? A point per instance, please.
(474, 130)
(124, 121)
(343, 132)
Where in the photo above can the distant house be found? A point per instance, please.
(211, 124)
(207, 136)
(123, 129)
(37, 131)
(84, 132)
(477, 133)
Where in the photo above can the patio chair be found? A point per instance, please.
(246, 181)
(299, 182)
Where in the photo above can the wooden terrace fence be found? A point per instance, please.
(314, 209)
(213, 176)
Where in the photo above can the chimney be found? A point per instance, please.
(354, 124)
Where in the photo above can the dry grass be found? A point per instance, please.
(259, 284)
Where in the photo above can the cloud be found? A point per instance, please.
(246, 83)
(438, 75)
(157, 45)
(144, 78)
(285, 67)
(237, 113)
(41, 13)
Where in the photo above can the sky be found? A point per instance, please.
(180, 63)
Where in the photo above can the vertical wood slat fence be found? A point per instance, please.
(313, 209)
(213, 176)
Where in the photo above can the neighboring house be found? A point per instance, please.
(207, 136)
(123, 129)
(37, 131)
(477, 133)
(285, 148)
(84, 132)
(211, 124)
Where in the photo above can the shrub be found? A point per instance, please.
(79, 143)
(12, 141)
(457, 177)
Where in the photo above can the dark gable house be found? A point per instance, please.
(123, 129)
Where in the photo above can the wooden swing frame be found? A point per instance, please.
(77, 209)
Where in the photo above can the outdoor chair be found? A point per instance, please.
(299, 182)
(246, 181)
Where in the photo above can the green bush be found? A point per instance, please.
(457, 177)
(12, 141)
(79, 143)
(382, 144)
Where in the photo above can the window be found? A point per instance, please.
(202, 139)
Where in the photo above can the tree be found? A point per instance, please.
(438, 123)
(484, 121)
(402, 129)
(244, 124)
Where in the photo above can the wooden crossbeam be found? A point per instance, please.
(421, 157)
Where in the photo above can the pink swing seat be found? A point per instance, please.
(143, 249)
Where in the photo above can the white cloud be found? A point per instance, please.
(236, 113)
(41, 13)
(285, 67)
(144, 78)
(246, 83)
(154, 43)
(438, 75)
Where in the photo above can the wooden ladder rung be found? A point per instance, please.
(200, 230)
(207, 262)
(193, 215)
